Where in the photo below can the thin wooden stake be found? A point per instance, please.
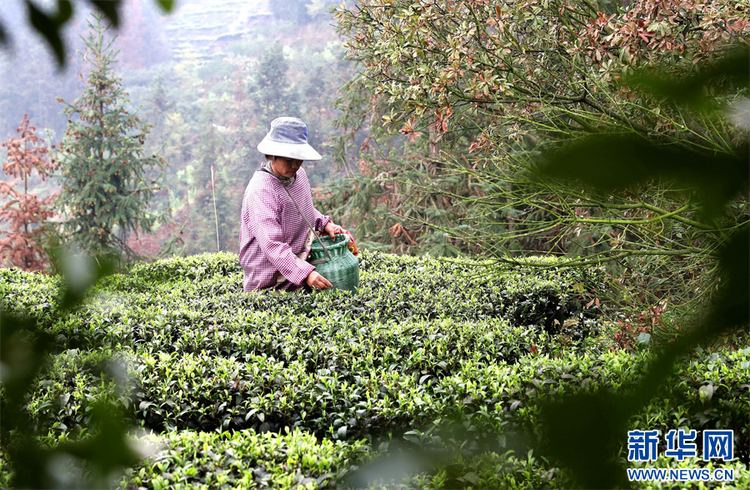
(216, 215)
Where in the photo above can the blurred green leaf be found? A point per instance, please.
(81, 273)
(24, 350)
(110, 9)
(109, 450)
(691, 91)
(608, 163)
(397, 464)
(166, 5)
(731, 306)
(64, 11)
(49, 27)
(585, 433)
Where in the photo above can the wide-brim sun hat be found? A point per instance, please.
(288, 138)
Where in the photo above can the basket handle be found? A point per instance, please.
(330, 259)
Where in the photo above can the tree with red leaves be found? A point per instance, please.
(457, 101)
(25, 212)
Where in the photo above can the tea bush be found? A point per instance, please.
(189, 459)
(275, 389)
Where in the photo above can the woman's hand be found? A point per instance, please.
(316, 281)
(333, 229)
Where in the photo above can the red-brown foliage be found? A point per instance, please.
(24, 212)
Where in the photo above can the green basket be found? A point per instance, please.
(342, 269)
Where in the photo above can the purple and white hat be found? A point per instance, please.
(288, 138)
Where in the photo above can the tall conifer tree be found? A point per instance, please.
(106, 188)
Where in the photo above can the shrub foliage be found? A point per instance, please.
(430, 356)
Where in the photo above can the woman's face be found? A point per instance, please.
(285, 167)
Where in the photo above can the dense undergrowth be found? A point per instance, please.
(232, 389)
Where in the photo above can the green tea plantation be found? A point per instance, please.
(429, 376)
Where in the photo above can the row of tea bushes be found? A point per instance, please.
(413, 347)
(187, 459)
(28, 294)
(204, 377)
(393, 288)
(128, 309)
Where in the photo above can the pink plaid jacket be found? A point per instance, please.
(272, 232)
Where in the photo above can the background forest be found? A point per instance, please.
(209, 77)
